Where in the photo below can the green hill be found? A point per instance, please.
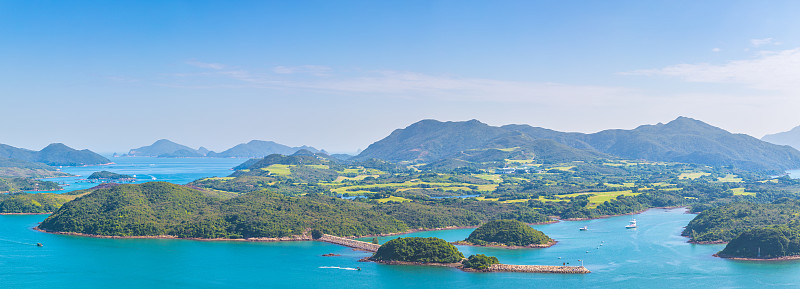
(166, 148)
(421, 250)
(159, 208)
(20, 168)
(681, 140)
(55, 154)
(32, 203)
(260, 149)
(507, 233)
(764, 243)
(108, 175)
(723, 224)
(26, 184)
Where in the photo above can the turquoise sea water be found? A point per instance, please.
(146, 169)
(652, 256)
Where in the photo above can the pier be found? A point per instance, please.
(355, 244)
(538, 269)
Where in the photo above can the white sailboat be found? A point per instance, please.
(632, 224)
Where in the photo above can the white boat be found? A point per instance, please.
(632, 224)
(584, 228)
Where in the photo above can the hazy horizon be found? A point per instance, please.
(112, 76)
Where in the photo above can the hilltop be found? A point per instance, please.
(260, 149)
(681, 140)
(166, 148)
(56, 154)
(790, 138)
(20, 168)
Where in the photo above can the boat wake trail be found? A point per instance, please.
(341, 268)
(15, 242)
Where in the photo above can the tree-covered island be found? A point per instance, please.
(508, 233)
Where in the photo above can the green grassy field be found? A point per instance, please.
(281, 170)
(692, 176)
(490, 177)
(600, 197)
(393, 199)
(741, 192)
(730, 179)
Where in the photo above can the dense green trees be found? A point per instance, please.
(159, 208)
(26, 184)
(764, 242)
(726, 222)
(508, 233)
(480, 262)
(108, 175)
(32, 203)
(415, 249)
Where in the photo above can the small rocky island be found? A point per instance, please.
(437, 252)
(765, 243)
(106, 175)
(414, 250)
(508, 234)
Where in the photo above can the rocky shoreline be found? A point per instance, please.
(494, 245)
(258, 239)
(438, 229)
(784, 258)
(495, 267)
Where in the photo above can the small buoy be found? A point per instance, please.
(39, 245)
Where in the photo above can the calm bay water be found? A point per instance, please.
(653, 256)
(146, 169)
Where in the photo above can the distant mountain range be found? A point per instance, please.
(252, 149)
(790, 138)
(681, 140)
(55, 154)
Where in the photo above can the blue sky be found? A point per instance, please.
(339, 75)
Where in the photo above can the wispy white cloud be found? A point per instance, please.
(769, 70)
(215, 66)
(763, 41)
(405, 85)
(715, 49)
(317, 70)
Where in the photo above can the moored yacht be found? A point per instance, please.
(632, 224)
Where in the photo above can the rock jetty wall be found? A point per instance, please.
(355, 244)
(538, 269)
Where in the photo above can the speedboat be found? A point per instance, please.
(632, 224)
(584, 228)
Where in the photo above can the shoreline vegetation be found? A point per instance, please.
(495, 245)
(782, 258)
(267, 239)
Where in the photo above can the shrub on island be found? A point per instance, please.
(764, 243)
(480, 262)
(108, 175)
(420, 250)
(507, 233)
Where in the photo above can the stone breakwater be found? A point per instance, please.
(355, 244)
(538, 269)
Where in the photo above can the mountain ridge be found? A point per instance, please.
(55, 154)
(683, 139)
